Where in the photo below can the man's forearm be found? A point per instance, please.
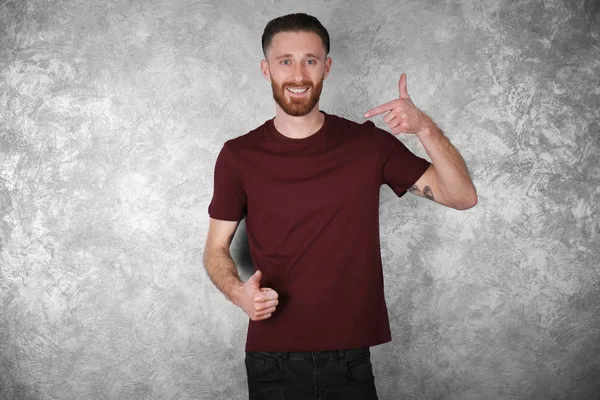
(223, 272)
(454, 183)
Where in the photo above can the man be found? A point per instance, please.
(308, 184)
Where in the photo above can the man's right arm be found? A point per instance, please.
(258, 303)
(217, 259)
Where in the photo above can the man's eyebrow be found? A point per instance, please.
(289, 55)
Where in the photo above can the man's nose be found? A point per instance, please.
(299, 71)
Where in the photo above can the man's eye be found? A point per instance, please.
(311, 62)
(285, 62)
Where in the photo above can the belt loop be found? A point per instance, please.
(285, 355)
(341, 354)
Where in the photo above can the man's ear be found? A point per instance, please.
(328, 62)
(264, 66)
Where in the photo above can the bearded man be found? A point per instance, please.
(308, 182)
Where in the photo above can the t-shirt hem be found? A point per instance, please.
(225, 217)
(423, 166)
(338, 346)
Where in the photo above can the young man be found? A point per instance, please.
(308, 184)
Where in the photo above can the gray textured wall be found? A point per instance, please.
(113, 112)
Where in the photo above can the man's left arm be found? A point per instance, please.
(447, 180)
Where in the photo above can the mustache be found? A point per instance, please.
(296, 85)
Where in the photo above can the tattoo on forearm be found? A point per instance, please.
(428, 192)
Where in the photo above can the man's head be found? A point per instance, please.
(296, 48)
(294, 23)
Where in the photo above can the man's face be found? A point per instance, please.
(296, 66)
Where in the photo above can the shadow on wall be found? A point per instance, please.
(240, 252)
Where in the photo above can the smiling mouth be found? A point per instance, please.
(297, 90)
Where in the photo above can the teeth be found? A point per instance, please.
(297, 90)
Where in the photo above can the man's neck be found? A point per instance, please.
(298, 127)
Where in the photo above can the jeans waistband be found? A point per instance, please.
(309, 355)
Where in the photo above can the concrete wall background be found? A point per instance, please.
(113, 113)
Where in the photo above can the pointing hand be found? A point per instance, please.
(402, 114)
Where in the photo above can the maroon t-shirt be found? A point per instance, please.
(312, 218)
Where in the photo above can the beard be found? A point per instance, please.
(297, 107)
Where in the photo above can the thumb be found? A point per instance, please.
(255, 279)
(402, 87)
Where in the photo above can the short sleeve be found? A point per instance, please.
(400, 168)
(229, 198)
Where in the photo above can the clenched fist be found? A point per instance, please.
(259, 303)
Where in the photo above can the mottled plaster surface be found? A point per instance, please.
(113, 113)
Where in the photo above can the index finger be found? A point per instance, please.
(380, 109)
(266, 295)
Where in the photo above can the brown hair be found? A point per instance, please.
(299, 22)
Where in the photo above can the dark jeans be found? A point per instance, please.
(318, 375)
